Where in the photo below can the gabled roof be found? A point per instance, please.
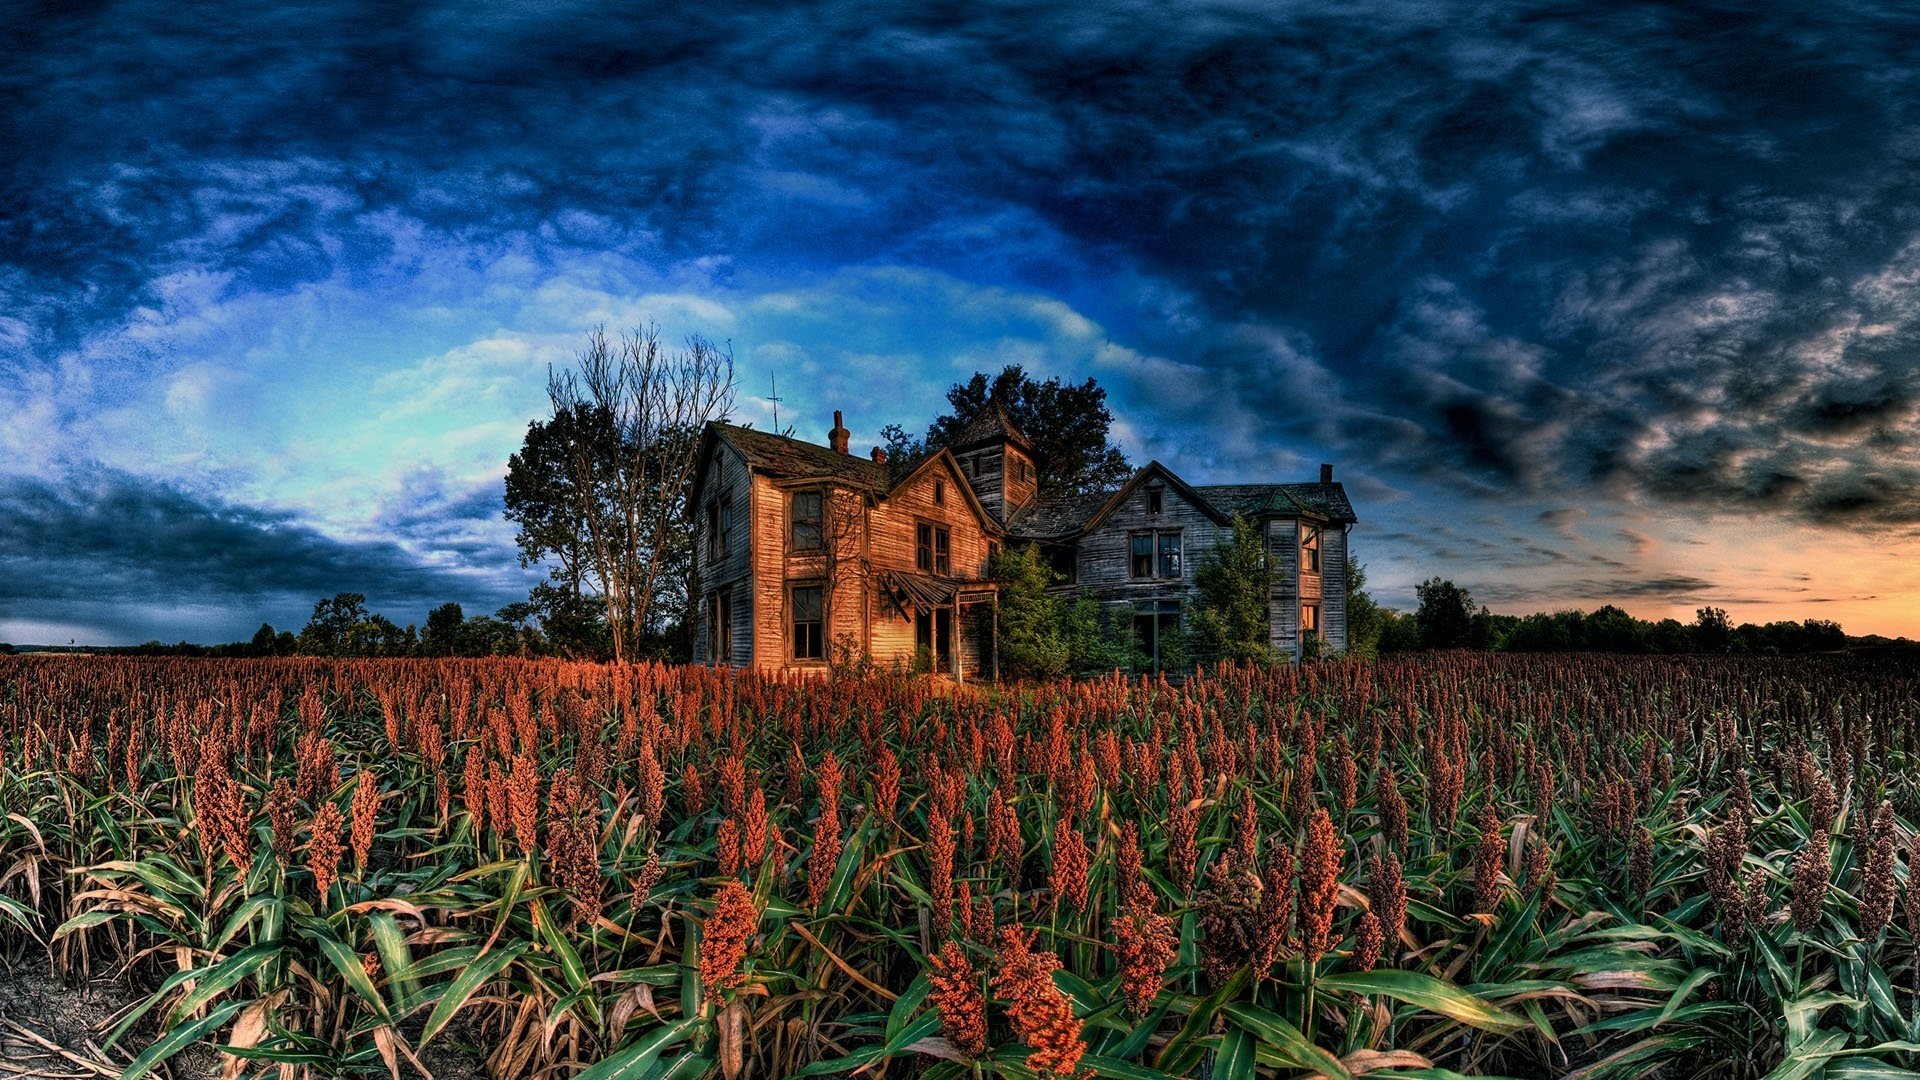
(789, 458)
(943, 458)
(991, 425)
(1049, 519)
(1327, 499)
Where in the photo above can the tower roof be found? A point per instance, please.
(991, 425)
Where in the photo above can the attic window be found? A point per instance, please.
(939, 493)
(1153, 500)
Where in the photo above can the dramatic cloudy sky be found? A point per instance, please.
(1587, 304)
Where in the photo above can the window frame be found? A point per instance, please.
(719, 619)
(1156, 554)
(818, 638)
(1156, 500)
(939, 492)
(935, 554)
(1310, 561)
(794, 521)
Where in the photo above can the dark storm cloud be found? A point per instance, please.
(1652, 254)
(131, 550)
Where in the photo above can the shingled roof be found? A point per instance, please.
(990, 425)
(1044, 518)
(781, 456)
(1329, 500)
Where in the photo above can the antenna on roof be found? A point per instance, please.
(773, 395)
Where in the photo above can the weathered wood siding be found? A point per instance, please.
(1333, 586)
(727, 478)
(1104, 568)
(1283, 552)
(1002, 476)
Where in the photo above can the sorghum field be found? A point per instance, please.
(1459, 864)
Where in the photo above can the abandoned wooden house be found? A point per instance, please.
(807, 553)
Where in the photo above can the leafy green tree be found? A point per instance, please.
(1366, 620)
(336, 628)
(1231, 613)
(441, 636)
(1445, 615)
(1712, 630)
(1067, 422)
(1032, 645)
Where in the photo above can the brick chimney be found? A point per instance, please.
(1326, 474)
(837, 438)
(879, 456)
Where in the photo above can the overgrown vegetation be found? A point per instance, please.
(1523, 866)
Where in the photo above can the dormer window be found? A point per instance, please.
(1153, 500)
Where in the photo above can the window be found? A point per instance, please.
(1156, 627)
(1169, 555)
(720, 525)
(1155, 554)
(1310, 549)
(1060, 559)
(720, 627)
(1153, 500)
(931, 549)
(1020, 469)
(808, 634)
(939, 493)
(803, 517)
(1309, 619)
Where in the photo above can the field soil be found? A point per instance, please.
(54, 1032)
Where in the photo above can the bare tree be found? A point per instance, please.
(629, 477)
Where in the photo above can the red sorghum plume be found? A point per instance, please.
(1488, 853)
(649, 876)
(826, 831)
(523, 802)
(283, 817)
(1183, 852)
(1068, 874)
(1387, 898)
(1877, 881)
(1273, 928)
(954, 986)
(1393, 810)
(1229, 920)
(572, 851)
(1539, 866)
(653, 783)
(220, 810)
(1319, 862)
(1810, 872)
(1367, 941)
(754, 830)
(365, 814)
(1246, 831)
(1346, 775)
(940, 852)
(886, 783)
(1040, 1013)
(723, 940)
(1146, 943)
(324, 847)
(727, 846)
(1004, 843)
(1640, 866)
